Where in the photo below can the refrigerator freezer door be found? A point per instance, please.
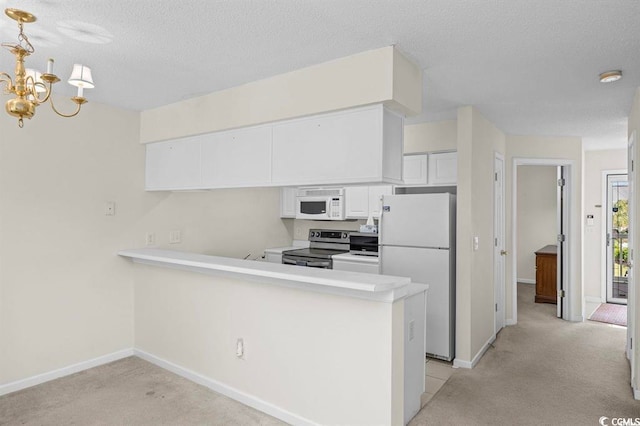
(426, 266)
(417, 220)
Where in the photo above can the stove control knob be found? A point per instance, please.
(344, 235)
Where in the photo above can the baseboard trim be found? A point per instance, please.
(526, 281)
(64, 371)
(459, 363)
(577, 318)
(510, 321)
(636, 393)
(232, 393)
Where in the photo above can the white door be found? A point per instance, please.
(617, 238)
(562, 256)
(631, 306)
(499, 251)
(431, 267)
(418, 220)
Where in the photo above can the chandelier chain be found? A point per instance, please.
(22, 37)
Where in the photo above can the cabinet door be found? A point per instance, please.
(336, 148)
(443, 168)
(288, 202)
(414, 169)
(173, 164)
(237, 158)
(375, 198)
(356, 202)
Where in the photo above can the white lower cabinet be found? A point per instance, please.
(356, 263)
(364, 201)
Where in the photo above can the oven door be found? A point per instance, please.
(308, 262)
(313, 208)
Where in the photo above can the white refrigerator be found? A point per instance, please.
(417, 240)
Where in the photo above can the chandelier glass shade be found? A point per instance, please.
(32, 88)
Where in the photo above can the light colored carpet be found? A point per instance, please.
(126, 392)
(542, 371)
(611, 314)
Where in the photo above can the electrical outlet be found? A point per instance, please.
(175, 236)
(150, 239)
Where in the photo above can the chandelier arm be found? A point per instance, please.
(36, 98)
(65, 115)
(6, 78)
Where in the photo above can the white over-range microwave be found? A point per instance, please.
(320, 203)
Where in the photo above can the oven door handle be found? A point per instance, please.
(319, 264)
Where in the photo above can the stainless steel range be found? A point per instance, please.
(323, 243)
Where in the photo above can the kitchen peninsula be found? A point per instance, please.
(306, 345)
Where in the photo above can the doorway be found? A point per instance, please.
(617, 238)
(559, 237)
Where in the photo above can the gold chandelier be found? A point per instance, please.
(32, 88)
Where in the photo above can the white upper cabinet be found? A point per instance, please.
(443, 168)
(356, 202)
(288, 202)
(173, 164)
(414, 169)
(237, 158)
(433, 168)
(364, 201)
(360, 145)
(338, 148)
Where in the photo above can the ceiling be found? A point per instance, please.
(530, 67)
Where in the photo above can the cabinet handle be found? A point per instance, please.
(503, 252)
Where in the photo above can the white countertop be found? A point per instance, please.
(356, 258)
(383, 288)
(295, 245)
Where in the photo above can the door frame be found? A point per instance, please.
(603, 232)
(568, 253)
(499, 285)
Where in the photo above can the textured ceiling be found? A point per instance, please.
(530, 67)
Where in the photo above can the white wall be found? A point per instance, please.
(634, 304)
(65, 297)
(477, 142)
(537, 215)
(325, 358)
(594, 204)
(557, 148)
(435, 136)
(380, 75)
